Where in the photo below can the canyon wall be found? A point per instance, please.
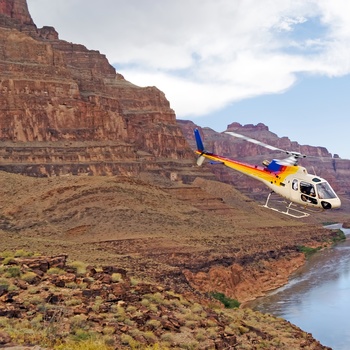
(65, 110)
(64, 107)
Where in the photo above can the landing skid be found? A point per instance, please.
(290, 211)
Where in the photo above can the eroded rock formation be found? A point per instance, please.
(16, 10)
(63, 105)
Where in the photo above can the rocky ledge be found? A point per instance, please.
(47, 302)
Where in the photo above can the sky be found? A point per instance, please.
(284, 63)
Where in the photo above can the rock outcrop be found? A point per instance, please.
(64, 109)
(47, 301)
(17, 11)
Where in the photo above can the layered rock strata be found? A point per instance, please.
(64, 106)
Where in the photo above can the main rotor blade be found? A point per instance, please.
(246, 138)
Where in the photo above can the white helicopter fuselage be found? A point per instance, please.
(306, 190)
(291, 182)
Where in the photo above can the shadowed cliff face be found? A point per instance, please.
(53, 91)
(16, 10)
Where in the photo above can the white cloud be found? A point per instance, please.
(288, 23)
(206, 54)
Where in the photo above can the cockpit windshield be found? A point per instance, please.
(325, 191)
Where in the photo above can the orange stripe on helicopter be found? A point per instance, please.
(253, 170)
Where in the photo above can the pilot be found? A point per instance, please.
(312, 192)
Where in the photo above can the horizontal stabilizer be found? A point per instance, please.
(216, 162)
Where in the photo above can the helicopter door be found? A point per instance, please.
(307, 192)
(303, 191)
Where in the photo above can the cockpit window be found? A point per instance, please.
(325, 191)
(316, 179)
(308, 193)
(307, 188)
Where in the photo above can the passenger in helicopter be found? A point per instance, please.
(308, 192)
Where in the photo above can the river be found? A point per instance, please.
(317, 297)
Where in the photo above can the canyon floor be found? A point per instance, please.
(156, 231)
(192, 239)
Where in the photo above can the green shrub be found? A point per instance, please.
(78, 321)
(228, 302)
(7, 254)
(127, 339)
(73, 302)
(134, 281)
(72, 285)
(108, 330)
(308, 251)
(4, 284)
(13, 271)
(196, 308)
(22, 253)
(12, 288)
(89, 344)
(79, 266)
(153, 323)
(338, 236)
(55, 271)
(116, 277)
(81, 335)
(7, 260)
(29, 276)
(36, 300)
(150, 336)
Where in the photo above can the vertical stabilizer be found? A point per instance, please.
(199, 142)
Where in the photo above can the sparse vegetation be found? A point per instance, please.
(148, 317)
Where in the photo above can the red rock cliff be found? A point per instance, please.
(16, 10)
(55, 93)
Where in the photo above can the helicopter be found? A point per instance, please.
(283, 177)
